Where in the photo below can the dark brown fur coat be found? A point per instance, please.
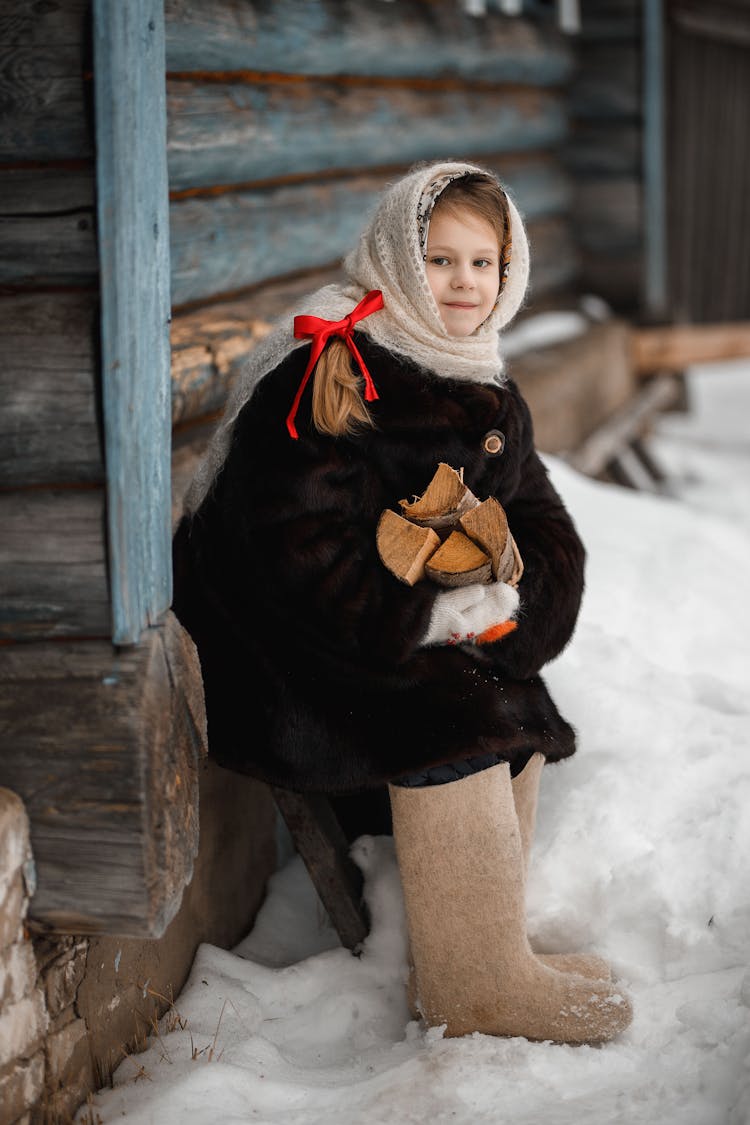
(309, 646)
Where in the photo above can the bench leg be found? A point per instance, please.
(319, 839)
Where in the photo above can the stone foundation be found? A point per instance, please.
(71, 1007)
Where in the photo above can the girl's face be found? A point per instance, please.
(463, 269)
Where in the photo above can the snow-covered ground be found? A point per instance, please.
(641, 854)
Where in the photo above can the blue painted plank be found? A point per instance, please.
(231, 241)
(134, 257)
(410, 38)
(235, 133)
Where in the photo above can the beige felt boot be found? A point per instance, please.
(526, 797)
(460, 858)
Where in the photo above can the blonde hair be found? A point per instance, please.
(480, 195)
(483, 196)
(338, 407)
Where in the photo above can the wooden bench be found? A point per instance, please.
(320, 841)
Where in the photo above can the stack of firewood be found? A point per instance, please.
(448, 536)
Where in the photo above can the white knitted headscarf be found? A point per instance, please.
(390, 257)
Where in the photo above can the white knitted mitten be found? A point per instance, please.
(461, 614)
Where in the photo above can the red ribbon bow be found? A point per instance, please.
(320, 332)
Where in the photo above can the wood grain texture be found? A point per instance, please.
(233, 133)
(133, 223)
(42, 85)
(415, 38)
(47, 227)
(49, 432)
(53, 571)
(235, 240)
(103, 746)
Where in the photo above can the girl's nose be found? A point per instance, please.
(462, 277)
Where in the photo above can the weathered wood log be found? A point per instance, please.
(230, 133)
(47, 227)
(209, 350)
(564, 387)
(239, 239)
(458, 562)
(443, 502)
(418, 39)
(676, 346)
(602, 447)
(53, 565)
(103, 746)
(404, 548)
(53, 249)
(49, 432)
(43, 89)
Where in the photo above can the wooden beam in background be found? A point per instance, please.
(47, 227)
(103, 747)
(49, 431)
(231, 134)
(324, 37)
(53, 569)
(677, 346)
(627, 424)
(44, 90)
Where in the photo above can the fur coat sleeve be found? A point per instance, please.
(552, 584)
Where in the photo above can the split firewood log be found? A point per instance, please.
(487, 526)
(404, 547)
(443, 502)
(458, 562)
(448, 536)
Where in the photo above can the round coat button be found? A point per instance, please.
(494, 443)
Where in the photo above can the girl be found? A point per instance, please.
(357, 679)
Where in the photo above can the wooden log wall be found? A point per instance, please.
(101, 743)
(53, 569)
(286, 121)
(604, 153)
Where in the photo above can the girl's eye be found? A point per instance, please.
(483, 262)
(438, 260)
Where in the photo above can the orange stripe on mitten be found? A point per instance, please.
(495, 632)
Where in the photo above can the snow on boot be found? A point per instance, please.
(460, 857)
(526, 797)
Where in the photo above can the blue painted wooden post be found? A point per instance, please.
(133, 215)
